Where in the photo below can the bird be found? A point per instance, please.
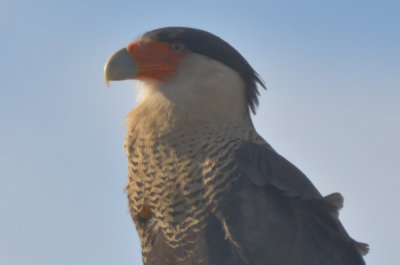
(204, 188)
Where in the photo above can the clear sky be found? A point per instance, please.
(332, 108)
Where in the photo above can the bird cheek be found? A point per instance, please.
(154, 59)
(159, 74)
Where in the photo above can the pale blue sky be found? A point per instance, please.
(332, 108)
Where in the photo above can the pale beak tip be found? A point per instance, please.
(120, 66)
(106, 78)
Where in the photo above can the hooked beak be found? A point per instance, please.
(120, 66)
(143, 59)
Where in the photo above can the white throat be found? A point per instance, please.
(202, 91)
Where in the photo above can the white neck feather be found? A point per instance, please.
(202, 91)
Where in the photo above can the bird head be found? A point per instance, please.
(190, 68)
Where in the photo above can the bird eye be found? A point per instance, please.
(177, 47)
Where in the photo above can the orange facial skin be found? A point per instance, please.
(157, 60)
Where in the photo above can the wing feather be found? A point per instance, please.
(279, 217)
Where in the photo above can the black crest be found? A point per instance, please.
(207, 44)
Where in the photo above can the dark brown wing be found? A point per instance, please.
(274, 215)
